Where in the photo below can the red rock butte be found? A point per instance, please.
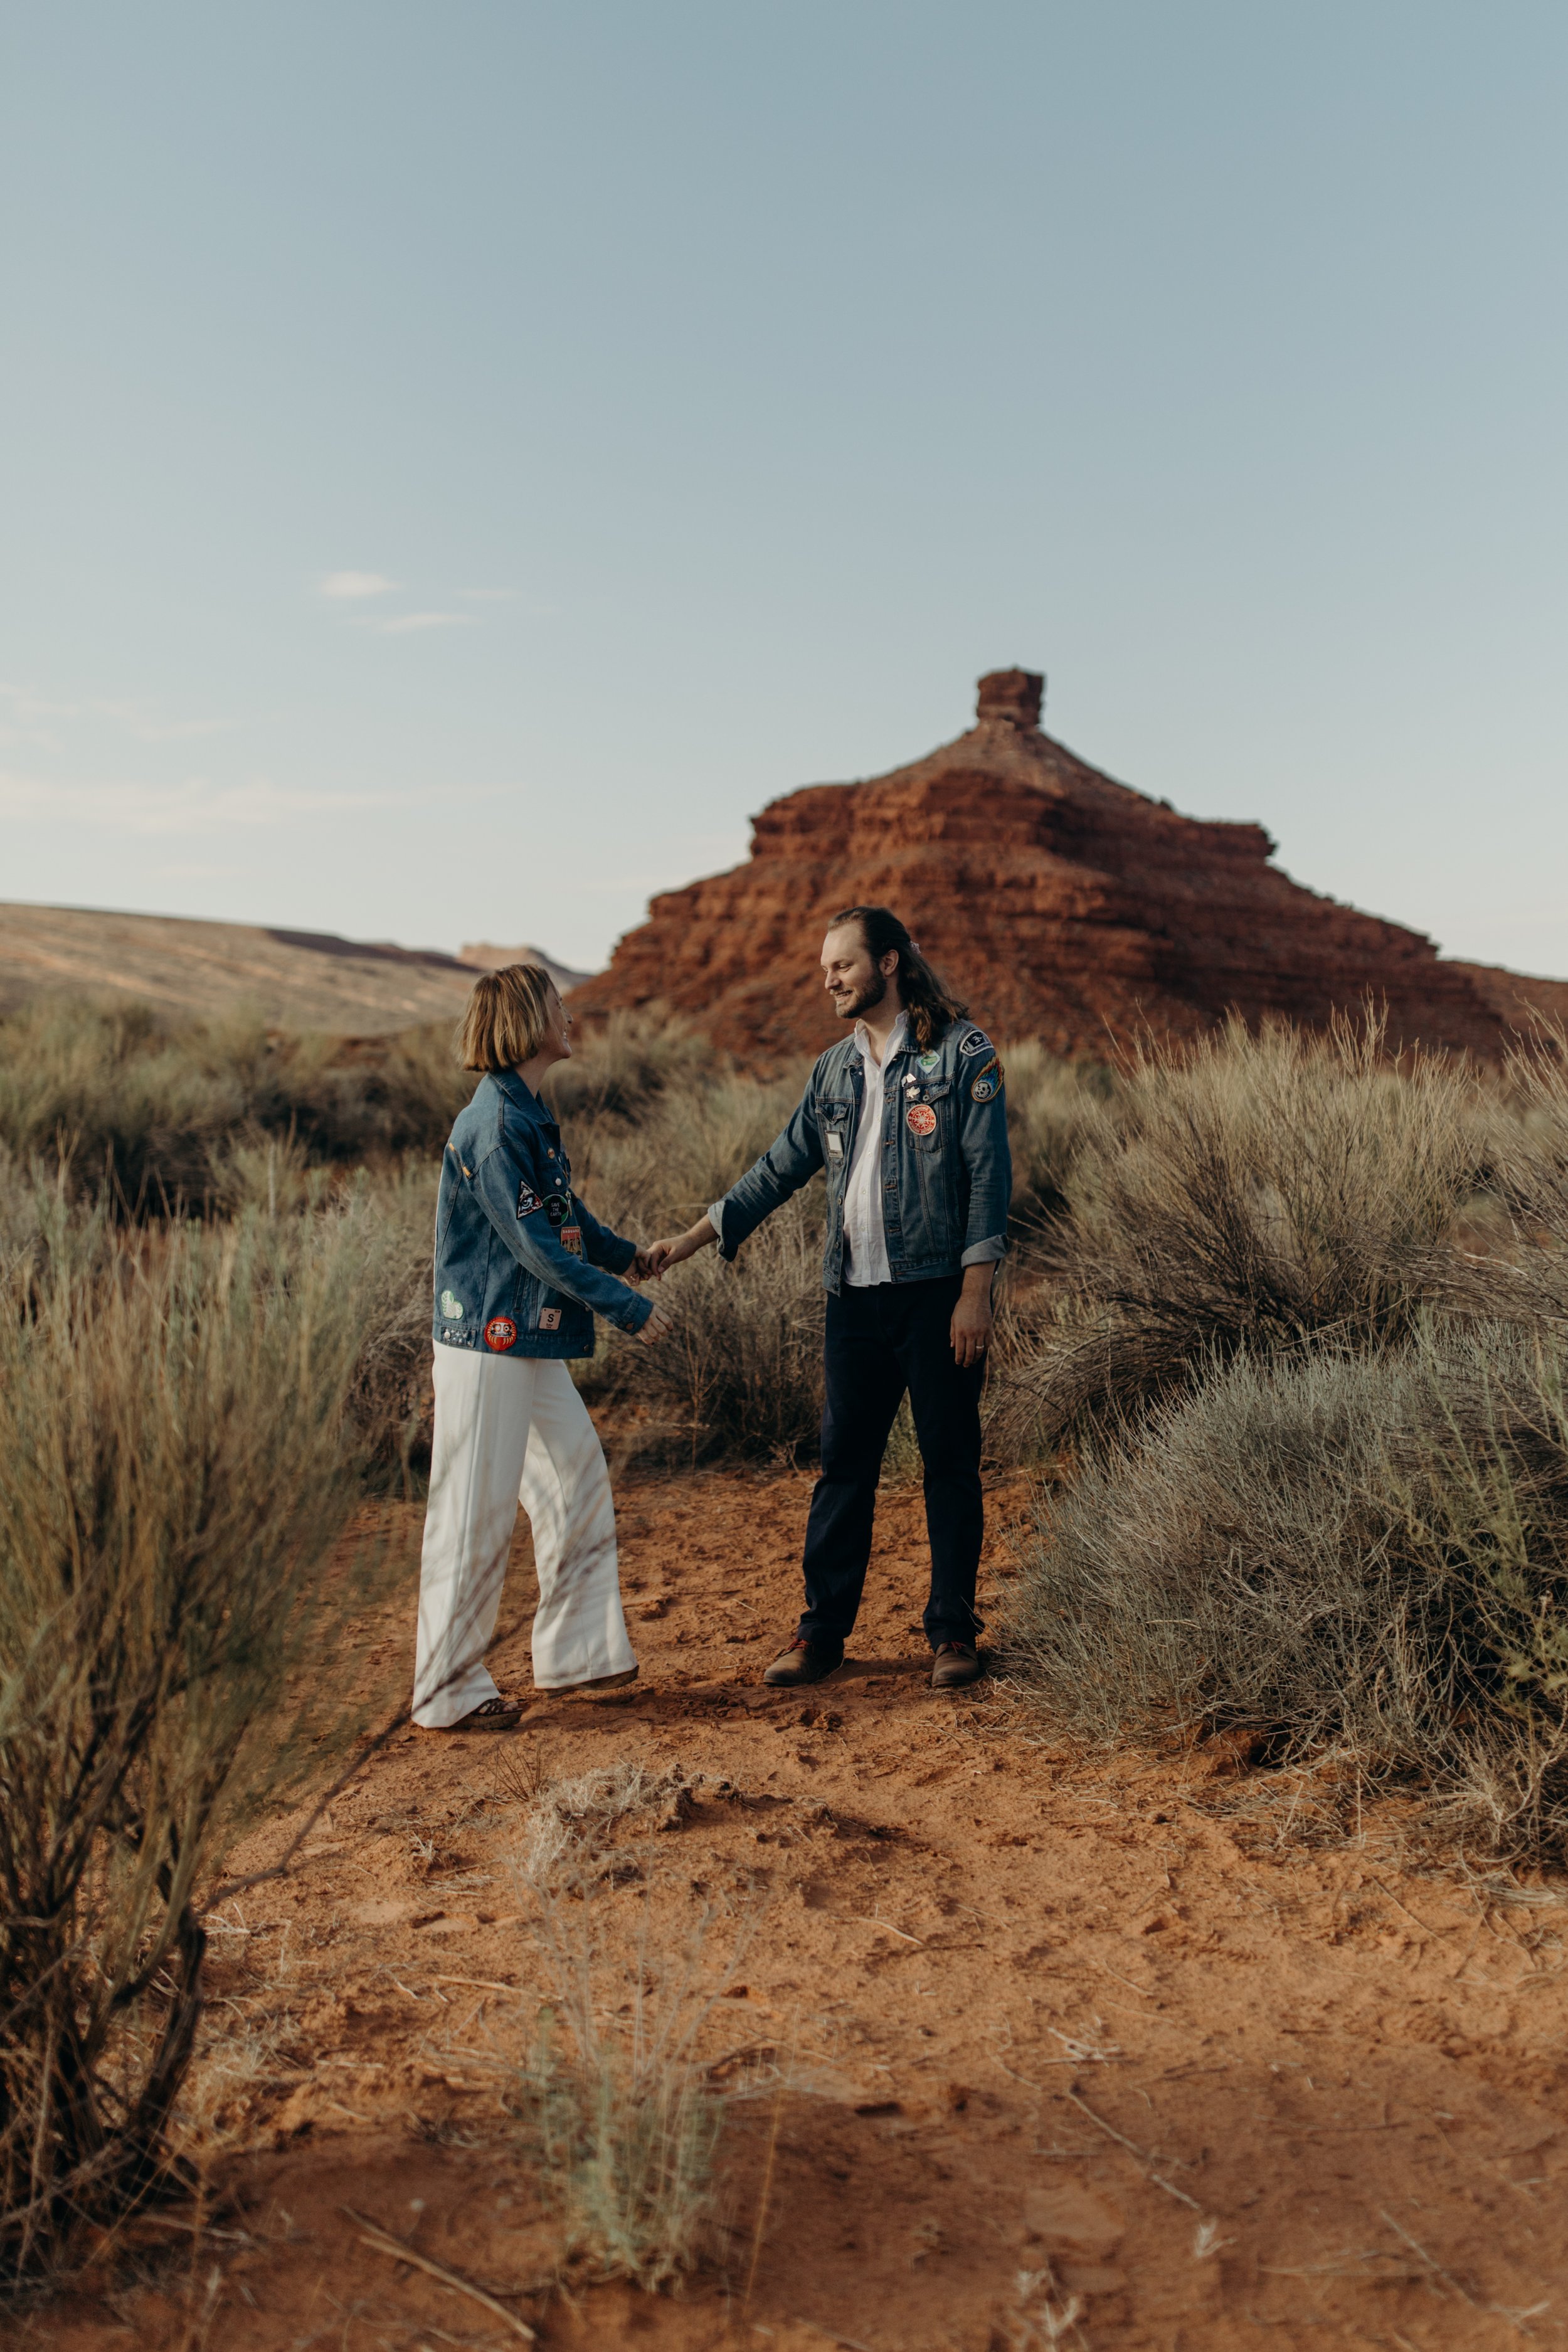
(1061, 904)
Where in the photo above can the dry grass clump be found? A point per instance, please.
(1261, 1193)
(155, 1116)
(1363, 1555)
(616, 2103)
(741, 1372)
(1323, 1489)
(1053, 1109)
(173, 1422)
(623, 1064)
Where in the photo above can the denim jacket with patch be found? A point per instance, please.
(521, 1268)
(946, 1168)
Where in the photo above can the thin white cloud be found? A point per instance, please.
(351, 586)
(490, 596)
(27, 706)
(195, 806)
(407, 622)
(138, 719)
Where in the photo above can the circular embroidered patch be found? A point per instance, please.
(452, 1307)
(920, 1119)
(982, 1090)
(556, 1204)
(500, 1333)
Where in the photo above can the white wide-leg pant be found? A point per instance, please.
(512, 1429)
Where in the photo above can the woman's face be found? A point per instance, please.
(557, 1041)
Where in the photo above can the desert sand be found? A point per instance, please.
(1026, 2032)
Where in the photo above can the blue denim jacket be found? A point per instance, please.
(520, 1266)
(947, 1169)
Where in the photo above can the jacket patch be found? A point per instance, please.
(977, 1042)
(835, 1144)
(500, 1333)
(527, 1199)
(920, 1119)
(557, 1206)
(987, 1081)
(930, 1059)
(452, 1307)
(571, 1238)
(550, 1318)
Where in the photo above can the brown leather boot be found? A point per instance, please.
(803, 1662)
(957, 1663)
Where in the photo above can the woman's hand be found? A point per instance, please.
(659, 1324)
(642, 1267)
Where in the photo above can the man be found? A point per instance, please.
(908, 1119)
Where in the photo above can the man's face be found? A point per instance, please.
(850, 977)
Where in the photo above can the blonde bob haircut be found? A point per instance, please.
(506, 1019)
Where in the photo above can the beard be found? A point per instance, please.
(863, 1000)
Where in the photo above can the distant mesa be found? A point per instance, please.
(485, 958)
(1064, 904)
(293, 980)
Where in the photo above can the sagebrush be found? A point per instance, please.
(180, 1464)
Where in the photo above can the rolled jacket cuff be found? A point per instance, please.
(716, 1219)
(985, 1252)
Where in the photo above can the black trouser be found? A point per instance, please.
(879, 1343)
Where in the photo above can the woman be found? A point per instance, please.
(521, 1269)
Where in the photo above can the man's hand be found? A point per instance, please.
(971, 1327)
(659, 1324)
(662, 1255)
(642, 1267)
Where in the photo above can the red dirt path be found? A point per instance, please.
(1091, 2015)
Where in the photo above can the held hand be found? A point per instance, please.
(662, 1255)
(971, 1327)
(659, 1324)
(642, 1267)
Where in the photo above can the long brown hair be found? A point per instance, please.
(932, 1007)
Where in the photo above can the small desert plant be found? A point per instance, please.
(171, 1420)
(1251, 1191)
(615, 2101)
(1357, 1553)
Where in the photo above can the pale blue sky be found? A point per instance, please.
(720, 387)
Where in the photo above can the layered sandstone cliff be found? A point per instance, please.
(1063, 905)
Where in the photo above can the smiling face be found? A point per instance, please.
(556, 1042)
(853, 981)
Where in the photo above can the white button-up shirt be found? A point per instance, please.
(865, 1239)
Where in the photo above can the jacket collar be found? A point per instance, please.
(524, 1097)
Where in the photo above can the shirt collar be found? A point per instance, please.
(895, 1044)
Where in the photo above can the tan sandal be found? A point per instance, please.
(496, 1714)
